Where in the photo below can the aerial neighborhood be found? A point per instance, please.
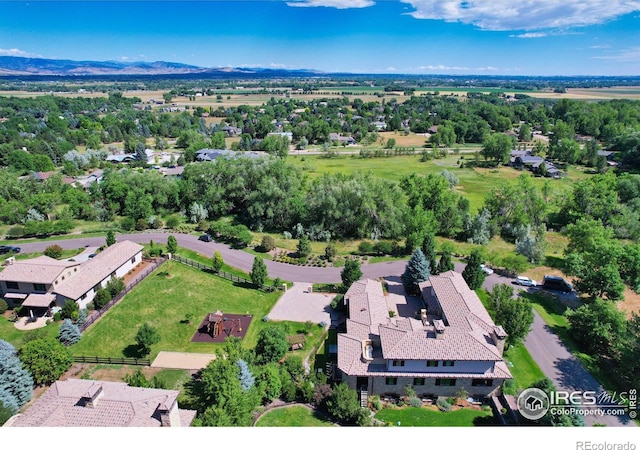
(257, 250)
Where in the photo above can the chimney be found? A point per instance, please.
(423, 316)
(438, 324)
(169, 413)
(498, 335)
(92, 395)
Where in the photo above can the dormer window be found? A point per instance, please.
(398, 363)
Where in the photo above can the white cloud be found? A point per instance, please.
(390, 69)
(631, 55)
(600, 46)
(529, 35)
(339, 4)
(441, 67)
(17, 52)
(502, 15)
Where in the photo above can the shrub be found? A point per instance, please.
(115, 286)
(102, 297)
(146, 337)
(53, 251)
(330, 252)
(141, 225)
(268, 243)
(128, 224)
(70, 310)
(57, 317)
(365, 247)
(443, 405)
(172, 221)
(415, 402)
(3, 306)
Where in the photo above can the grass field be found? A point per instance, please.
(293, 416)
(162, 300)
(524, 369)
(424, 417)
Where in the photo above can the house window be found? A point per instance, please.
(482, 382)
(418, 381)
(445, 381)
(75, 269)
(448, 363)
(133, 260)
(432, 363)
(398, 363)
(12, 285)
(83, 296)
(39, 287)
(391, 381)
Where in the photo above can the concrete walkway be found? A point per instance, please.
(299, 305)
(23, 323)
(178, 360)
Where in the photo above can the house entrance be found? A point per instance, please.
(362, 383)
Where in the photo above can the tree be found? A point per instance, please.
(429, 251)
(111, 238)
(350, 273)
(247, 379)
(269, 382)
(258, 272)
(330, 252)
(115, 285)
(217, 261)
(533, 245)
(102, 297)
(445, 263)
(268, 243)
(172, 244)
(343, 404)
(46, 359)
(497, 147)
(304, 247)
(53, 251)
(69, 333)
(416, 271)
(197, 213)
(515, 315)
(16, 383)
(272, 345)
(556, 420)
(146, 337)
(472, 273)
(599, 327)
(70, 310)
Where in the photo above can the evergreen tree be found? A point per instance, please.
(472, 273)
(416, 271)
(258, 272)
(429, 251)
(69, 333)
(16, 383)
(350, 274)
(304, 247)
(445, 264)
(111, 238)
(246, 377)
(217, 262)
(146, 337)
(172, 244)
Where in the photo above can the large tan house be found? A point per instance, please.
(42, 283)
(91, 403)
(449, 343)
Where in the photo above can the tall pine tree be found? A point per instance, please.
(472, 273)
(416, 272)
(429, 250)
(16, 383)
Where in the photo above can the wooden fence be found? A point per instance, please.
(96, 314)
(221, 273)
(109, 360)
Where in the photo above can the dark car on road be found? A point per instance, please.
(206, 238)
(8, 249)
(554, 283)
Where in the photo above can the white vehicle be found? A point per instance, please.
(524, 281)
(486, 269)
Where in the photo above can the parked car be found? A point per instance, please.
(9, 249)
(524, 281)
(554, 283)
(206, 238)
(485, 269)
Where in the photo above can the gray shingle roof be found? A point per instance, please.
(42, 269)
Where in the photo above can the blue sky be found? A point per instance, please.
(492, 37)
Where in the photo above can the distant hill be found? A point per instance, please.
(19, 66)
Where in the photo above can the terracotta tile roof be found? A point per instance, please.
(119, 405)
(39, 300)
(96, 269)
(42, 270)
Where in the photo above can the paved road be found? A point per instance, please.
(554, 359)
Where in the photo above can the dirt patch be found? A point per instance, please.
(132, 274)
(630, 304)
(95, 372)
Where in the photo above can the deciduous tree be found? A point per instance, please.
(46, 359)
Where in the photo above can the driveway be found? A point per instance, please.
(300, 305)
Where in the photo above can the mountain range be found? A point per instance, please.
(21, 66)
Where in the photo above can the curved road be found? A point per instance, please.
(555, 361)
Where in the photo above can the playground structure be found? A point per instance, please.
(218, 326)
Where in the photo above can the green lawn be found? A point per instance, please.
(163, 301)
(524, 369)
(18, 338)
(425, 417)
(293, 416)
